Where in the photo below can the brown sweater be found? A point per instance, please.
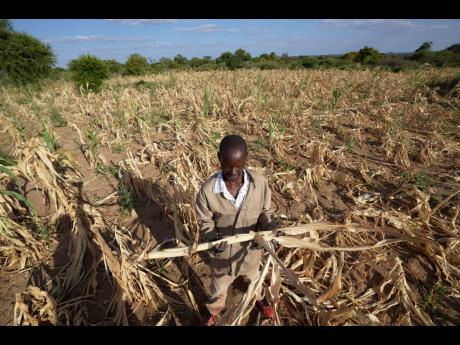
(218, 218)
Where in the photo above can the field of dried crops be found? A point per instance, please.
(90, 183)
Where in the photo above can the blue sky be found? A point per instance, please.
(156, 38)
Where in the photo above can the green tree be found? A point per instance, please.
(136, 65)
(114, 66)
(168, 63)
(239, 58)
(242, 55)
(350, 56)
(88, 72)
(309, 62)
(454, 48)
(424, 53)
(368, 56)
(226, 58)
(263, 57)
(197, 62)
(23, 58)
(6, 28)
(180, 60)
(265, 64)
(426, 46)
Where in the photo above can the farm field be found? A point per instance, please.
(89, 183)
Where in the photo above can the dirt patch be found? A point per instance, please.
(328, 198)
(422, 270)
(11, 283)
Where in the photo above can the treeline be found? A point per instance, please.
(25, 59)
(364, 58)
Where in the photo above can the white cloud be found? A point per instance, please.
(366, 23)
(205, 28)
(142, 21)
(93, 38)
(384, 24)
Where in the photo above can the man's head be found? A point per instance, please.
(232, 154)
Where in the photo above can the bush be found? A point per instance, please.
(454, 48)
(330, 62)
(350, 56)
(296, 64)
(6, 29)
(88, 71)
(445, 58)
(221, 66)
(207, 67)
(249, 65)
(397, 64)
(368, 56)
(180, 60)
(59, 73)
(309, 62)
(115, 68)
(23, 58)
(268, 64)
(136, 65)
(234, 61)
(444, 86)
(225, 58)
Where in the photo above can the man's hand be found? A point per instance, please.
(220, 247)
(263, 221)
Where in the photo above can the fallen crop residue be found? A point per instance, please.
(91, 183)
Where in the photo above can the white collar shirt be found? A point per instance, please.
(220, 187)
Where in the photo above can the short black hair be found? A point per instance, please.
(232, 141)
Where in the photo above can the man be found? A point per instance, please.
(233, 201)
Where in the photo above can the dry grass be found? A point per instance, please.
(378, 150)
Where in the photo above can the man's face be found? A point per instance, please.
(232, 163)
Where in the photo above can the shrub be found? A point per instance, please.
(454, 48)
(268, 64)
(157, 67)
(350, 56)
(180, 60)
(136, 65)
(6, 29)
(115, 68)
(88, 71)
(397, 64)
(295, 64)
(221, 66)
(207, 67)
(249, 65)
(309, 62)
(23, 58)
(329, 62)
(368, 56)
(445, 58)
(59, 73)
(444, 86)
(227, 59)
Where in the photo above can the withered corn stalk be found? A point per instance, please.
(287, 241)
(357, 139)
